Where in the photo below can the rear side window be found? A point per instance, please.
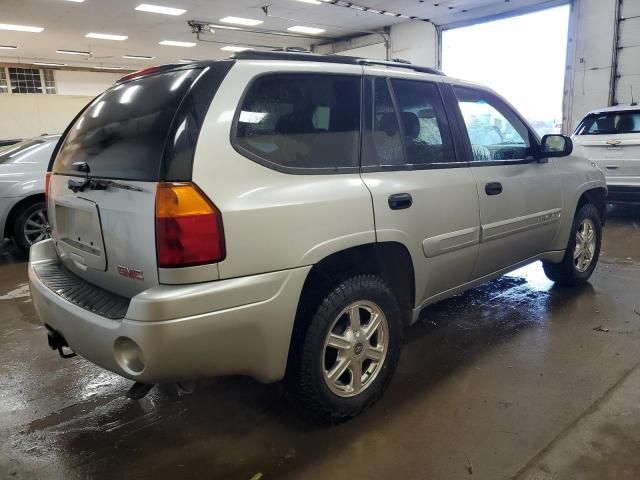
(301, 122)
(145, 129)
(610, 123)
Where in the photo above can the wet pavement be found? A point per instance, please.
(507, 380)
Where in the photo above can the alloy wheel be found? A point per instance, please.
(355, 348)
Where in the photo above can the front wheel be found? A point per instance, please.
(349, 351)
(583, 249)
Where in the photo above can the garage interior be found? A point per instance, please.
(517, 378)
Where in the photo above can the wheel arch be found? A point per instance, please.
(598, 197)
(390, 260)
(15, 210)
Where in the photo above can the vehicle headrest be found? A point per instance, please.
(411, 124)
(389, 123)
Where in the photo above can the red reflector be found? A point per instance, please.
(47, 180)
(141, 73)
(188, 227)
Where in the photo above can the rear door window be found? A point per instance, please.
(610, 123)
(425, 127)
(301, 122)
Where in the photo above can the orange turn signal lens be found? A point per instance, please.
(180, 199)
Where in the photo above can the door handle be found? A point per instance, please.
(493, 188)
(400, 201)
(612, 167)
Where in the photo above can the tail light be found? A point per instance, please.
(188, 227)
(47, 180)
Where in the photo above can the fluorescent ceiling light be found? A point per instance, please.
(188, 60)
(73, 52)
(232, 48)
(20, 28)
(175, 43)
(8, 47)
(225, 27)
(106, 36)
(145, 7)
(76, 1)
(50, 64)
(303, 29)
(139, 57)
(107, 68)
(312, 2)
(241, 21)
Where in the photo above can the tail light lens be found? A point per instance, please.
(188, 227)
(47, 180)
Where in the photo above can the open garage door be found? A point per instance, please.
(512, 56)
(628, 59)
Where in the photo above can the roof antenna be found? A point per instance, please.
(633, 103)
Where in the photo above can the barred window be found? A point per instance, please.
(49, 82)
(4, 85)
(25, 80)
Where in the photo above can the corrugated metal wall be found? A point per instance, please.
(628, 54)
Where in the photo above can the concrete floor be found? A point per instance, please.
(509, 380)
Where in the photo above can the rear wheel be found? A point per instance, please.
(349, 352)
(31, 225)
(583, 249)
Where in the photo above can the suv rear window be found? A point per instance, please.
(301, 122)
(125, 132)
(610, 123)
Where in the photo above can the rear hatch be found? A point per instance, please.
(612, 141)
(106, 170)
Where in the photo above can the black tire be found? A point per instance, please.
(305, 380)
(566, 273)
(21, 241)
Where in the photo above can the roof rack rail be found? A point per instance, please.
(314, 57)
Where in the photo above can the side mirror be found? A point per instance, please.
(555, 145)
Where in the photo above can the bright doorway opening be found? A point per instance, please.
(523, 58)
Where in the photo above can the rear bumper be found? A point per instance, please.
(623, 194)
(237, 326)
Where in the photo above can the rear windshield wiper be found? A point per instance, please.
(93, 183)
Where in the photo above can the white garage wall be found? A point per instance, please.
(377, 51)
(589, 59)
(414, 41)
(69, 82)
(29, 115)
(628, 53)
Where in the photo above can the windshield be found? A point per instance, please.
(610, 123)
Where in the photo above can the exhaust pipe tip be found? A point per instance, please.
(57, 342)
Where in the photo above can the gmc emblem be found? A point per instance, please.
(130, 273)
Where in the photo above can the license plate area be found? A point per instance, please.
(79, 233)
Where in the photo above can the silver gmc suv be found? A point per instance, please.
(285, 216)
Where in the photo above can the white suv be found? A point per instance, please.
(611, 138)
(285, 216)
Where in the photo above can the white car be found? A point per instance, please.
(610, 137)
(23, 167)
(285, 216)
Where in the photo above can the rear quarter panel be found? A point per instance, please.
(273, 220)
